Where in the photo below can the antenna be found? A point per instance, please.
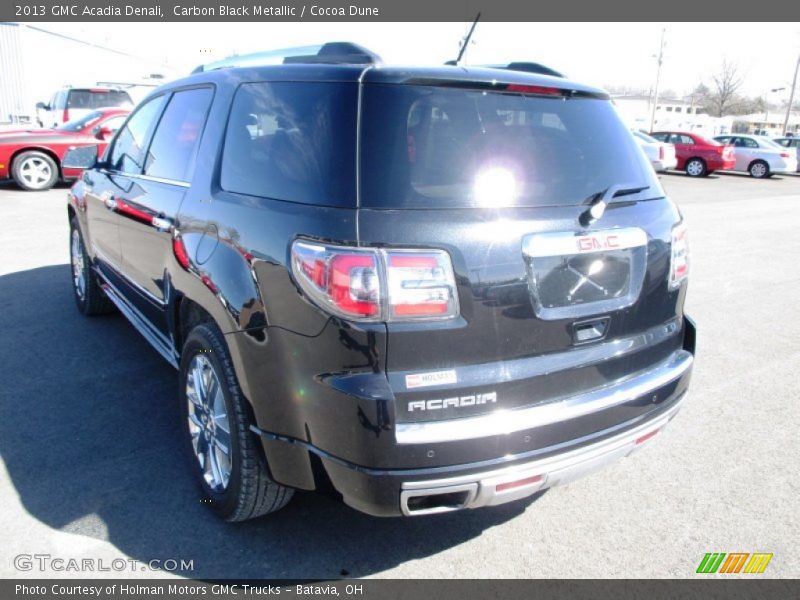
(466, 39)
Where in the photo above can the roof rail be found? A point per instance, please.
(331, 53)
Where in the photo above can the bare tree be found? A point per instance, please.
(725, 84)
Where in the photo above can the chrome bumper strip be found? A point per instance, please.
(508, 421)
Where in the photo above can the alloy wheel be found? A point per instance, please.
(35, 172)
(208, 423)
(78, 271)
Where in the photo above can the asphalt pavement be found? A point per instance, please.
(91, 465)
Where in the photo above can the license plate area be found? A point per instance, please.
(574, 274)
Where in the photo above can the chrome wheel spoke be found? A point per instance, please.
(208, 423)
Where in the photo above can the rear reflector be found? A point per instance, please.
(647, 436)
(679, 256)
(515, 484)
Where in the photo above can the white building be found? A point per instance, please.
(770, 123)
(672, 114)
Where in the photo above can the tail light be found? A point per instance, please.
(679, 258)
(784, 155)
(179, 250)
(377, 285)
(661, 153)
(66, 115)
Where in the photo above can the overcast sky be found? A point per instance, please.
(605, 54)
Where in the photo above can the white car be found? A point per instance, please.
(70, 103)
(790, 143)
(661, 155)
(759, 156)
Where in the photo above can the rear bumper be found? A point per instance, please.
(654, 397)
(665, 165)
(721, 165)
(499, 486)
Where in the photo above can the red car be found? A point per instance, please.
(33, 157)
(697, 155)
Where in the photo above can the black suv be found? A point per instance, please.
(424, 288)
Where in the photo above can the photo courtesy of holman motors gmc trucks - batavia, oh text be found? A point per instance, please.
(420, 289)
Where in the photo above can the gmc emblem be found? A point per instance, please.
(592, 243)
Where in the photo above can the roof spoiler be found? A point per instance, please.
(525, 67)
(331, 53)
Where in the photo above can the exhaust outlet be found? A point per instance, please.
(438, 499)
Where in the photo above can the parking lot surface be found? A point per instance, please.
(92, 465)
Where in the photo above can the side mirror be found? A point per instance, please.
(80, 158)
(42, 106)
(102, 133)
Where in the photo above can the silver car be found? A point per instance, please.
(759, 156)
(789, 143)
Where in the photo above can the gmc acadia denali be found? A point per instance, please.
(425, 288)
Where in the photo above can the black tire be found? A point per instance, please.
(759, 169)
(696, 167)
(89, 297)
(249, 491)
(34, 171)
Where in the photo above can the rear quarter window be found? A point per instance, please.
(172, 152)
(92, 99)
(292, 141)
(436, 147)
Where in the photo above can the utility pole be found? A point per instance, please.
(791, 97)
(660, 60)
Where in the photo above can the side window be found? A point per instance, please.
(748, 143)
(292, 141)
(723, 140)
(661, 137)
(127, 155)
(685, 139)
(172, 151)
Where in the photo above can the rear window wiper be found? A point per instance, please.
(598, 204)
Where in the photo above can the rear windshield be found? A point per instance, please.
(433, 147)
(91, 99)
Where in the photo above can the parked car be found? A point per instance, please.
(401, 283)
(790, 142)
(759, 156)
(660, 154)
(69, 104)
(33, 157)
(697, 155)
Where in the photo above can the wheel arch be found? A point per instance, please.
(43, 150)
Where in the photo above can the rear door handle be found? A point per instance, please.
(110, 202)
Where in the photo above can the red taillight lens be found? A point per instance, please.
(420, 284)
(661, 152)
(784, 155)
(354, 287)
(179, 250)
(66, 115)
(679, 257)
(374, 284)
